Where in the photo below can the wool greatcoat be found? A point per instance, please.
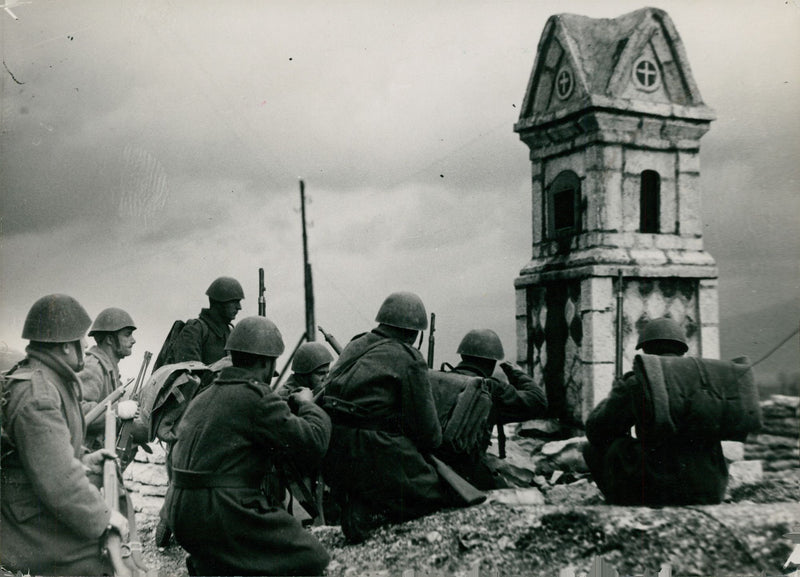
(384, 421)
(231, 438)
(519, 399)
(99, 378)
(202, 339)
(673, 470)
(53, 517)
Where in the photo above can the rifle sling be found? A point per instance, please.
(183, 479)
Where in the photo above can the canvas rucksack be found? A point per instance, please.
(166, 355)
(463, 404)
(166, 396)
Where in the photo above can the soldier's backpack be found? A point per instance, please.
(166, 355)
(166, 396)
(463, 404)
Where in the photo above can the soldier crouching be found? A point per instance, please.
(225, 504)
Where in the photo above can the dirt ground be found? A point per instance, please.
(503, 537)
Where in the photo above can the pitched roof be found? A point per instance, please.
(602, 56)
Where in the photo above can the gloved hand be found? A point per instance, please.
(94, 461)
(127, 409)
(302, 395)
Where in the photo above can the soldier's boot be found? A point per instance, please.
(163, 534)
(357, 521)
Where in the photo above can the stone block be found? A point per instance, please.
(554, 166)
(668, 241)
(690, 257)
(733, 451)
(602, 378)
(709, 341)
(668, 209)
(744, 473)
(689, 206)
(688, 161)
(684, 134)
(648, 257)
(598, 337)
(708, 302)
(637, 161)
(631, 191)
(597, 294)
(605, 158)
(522, 340)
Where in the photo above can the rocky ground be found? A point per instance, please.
(541, 530)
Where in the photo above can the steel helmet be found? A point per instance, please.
(256, 336)
(663, 329)
(403, 310)
(56, 318)
(111, 320)
(481, 343)
(224, 289)
(309, 357)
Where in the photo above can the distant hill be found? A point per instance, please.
(755, 333)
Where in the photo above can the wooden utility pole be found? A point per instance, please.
(309, 283)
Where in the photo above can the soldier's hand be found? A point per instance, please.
(302, 395)
(118, 522)
(510, 368)
(127, 409)
(94, 461)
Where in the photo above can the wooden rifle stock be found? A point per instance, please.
(469, 494)
(125, 447)
(100, 408)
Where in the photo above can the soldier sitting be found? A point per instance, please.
(680, 412)
(517, 400)
(384, 422)
(54, 520)
(225, 502)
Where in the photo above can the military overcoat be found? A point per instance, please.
(99, 378)
(240, 431)
(52, 516)
(203, 339)
(671, 471)
(377, 448)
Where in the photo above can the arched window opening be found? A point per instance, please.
(650, 202)
(564, 215)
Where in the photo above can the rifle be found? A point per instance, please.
(100, 407)
(468, 494)
(620, 296)
(331, 340)
(125, 558)
(277, 386)
(431, 340)
(125, 447)
(262, 302)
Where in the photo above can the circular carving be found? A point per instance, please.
(565, 83)
(646, 75)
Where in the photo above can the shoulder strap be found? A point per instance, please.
(351, 362)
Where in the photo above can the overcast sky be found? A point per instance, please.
(148, 147)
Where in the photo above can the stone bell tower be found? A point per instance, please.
(613, 120)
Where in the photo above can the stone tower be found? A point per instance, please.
(613, 120)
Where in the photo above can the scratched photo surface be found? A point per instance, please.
(148, 147)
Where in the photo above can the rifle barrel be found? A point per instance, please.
(288, 364)
(620, 320)
(262, 301)
(331, 340)
(431, 341)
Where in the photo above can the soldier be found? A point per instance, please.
(203, 339)
(54, 519)
(112, 331)
(384, 421)
(230, 439)
(309, 367)
(519, 399)
(680, 471)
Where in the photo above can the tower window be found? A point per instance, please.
(646, 75)
(650, 202)
(564, 216)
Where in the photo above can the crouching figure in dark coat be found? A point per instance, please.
(384, 421)
(518, 399)
(668, 470)
(225, 503)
